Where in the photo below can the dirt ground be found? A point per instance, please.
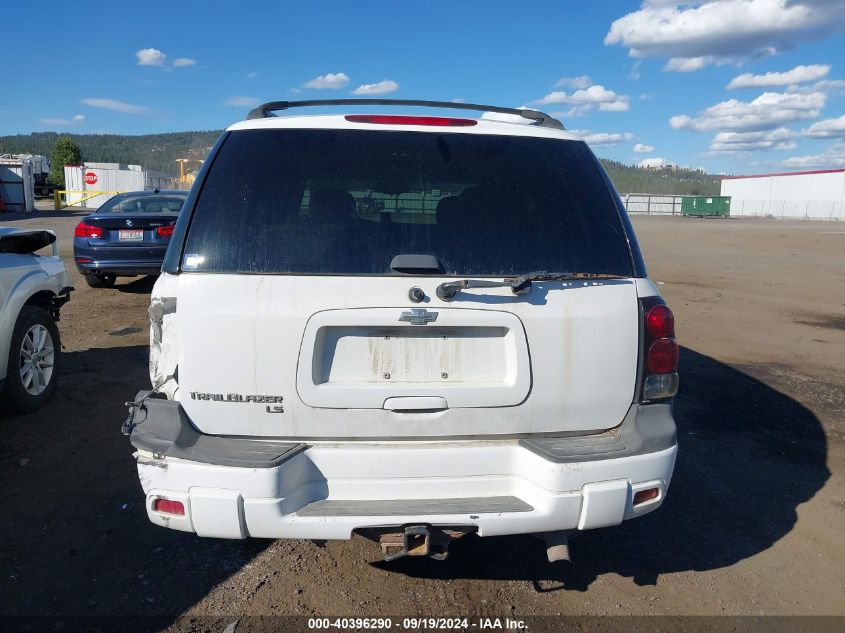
(752, 524)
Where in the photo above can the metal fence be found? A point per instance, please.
(652, 204)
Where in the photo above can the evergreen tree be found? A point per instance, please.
(65, 152)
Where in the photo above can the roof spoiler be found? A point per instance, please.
(539, 118)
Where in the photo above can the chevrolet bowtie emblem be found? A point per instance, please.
(418, 316)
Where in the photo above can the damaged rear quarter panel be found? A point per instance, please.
(164, 340)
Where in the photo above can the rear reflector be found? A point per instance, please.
(165, 231)
(392, 119)
(84, 260)
(662, 357)
(169, 507)
(641, 496)
(87, 230)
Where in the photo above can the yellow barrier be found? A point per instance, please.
(86, 195)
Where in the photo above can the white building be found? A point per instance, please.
(810, 194)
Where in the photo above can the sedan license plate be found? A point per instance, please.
(131, 235)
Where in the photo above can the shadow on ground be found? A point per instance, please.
(78, 541)
(136, 285)
(44, 213)
(749, 456)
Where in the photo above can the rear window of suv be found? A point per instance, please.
(347, 201)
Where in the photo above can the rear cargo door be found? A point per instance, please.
(293, 320)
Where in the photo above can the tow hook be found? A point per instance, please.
(419, 540)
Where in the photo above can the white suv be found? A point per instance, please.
(33, 288)
(351, 335)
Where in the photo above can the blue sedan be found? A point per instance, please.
(127, 236)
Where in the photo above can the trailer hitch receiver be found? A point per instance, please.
(417, 540)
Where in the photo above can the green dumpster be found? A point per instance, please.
(706, 206)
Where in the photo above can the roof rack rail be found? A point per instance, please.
(540, 118)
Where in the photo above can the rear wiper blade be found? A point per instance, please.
(519, 285)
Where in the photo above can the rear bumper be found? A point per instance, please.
(124, 259)
(327, 490)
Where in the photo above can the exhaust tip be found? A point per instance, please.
(557, 546)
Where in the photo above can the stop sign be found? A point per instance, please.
(90, 178)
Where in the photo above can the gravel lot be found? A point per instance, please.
(752, 524)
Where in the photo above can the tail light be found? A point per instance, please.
(87, 230)
(392, 119)
(165, 231)
(659, 352)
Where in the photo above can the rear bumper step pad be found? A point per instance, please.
(162, 428)
(413, 507)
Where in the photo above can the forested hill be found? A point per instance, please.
(632, 179)
(159, 152)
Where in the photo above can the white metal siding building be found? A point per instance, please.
(110, 177)
(818, 195)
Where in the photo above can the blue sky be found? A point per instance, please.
(641, 81)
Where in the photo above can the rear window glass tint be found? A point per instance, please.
(348, 201)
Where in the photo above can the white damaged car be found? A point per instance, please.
(33, 288)
(406, 327)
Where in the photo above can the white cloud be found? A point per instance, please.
(832, 158)
(79, 118)
(603, 138)
(828, 128)
(242, 102)
(117, 106)
(634, 75)
(151, 57)
(330, 81)
(154, 57)
(697, 33)
(380, 88)
(688, 64)
(585, 100)
(640, 148)
(252, 75)
(728, 142)
(768, 111)
(798, 75)
(655, 163)
(830, 86)
(578, 83)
